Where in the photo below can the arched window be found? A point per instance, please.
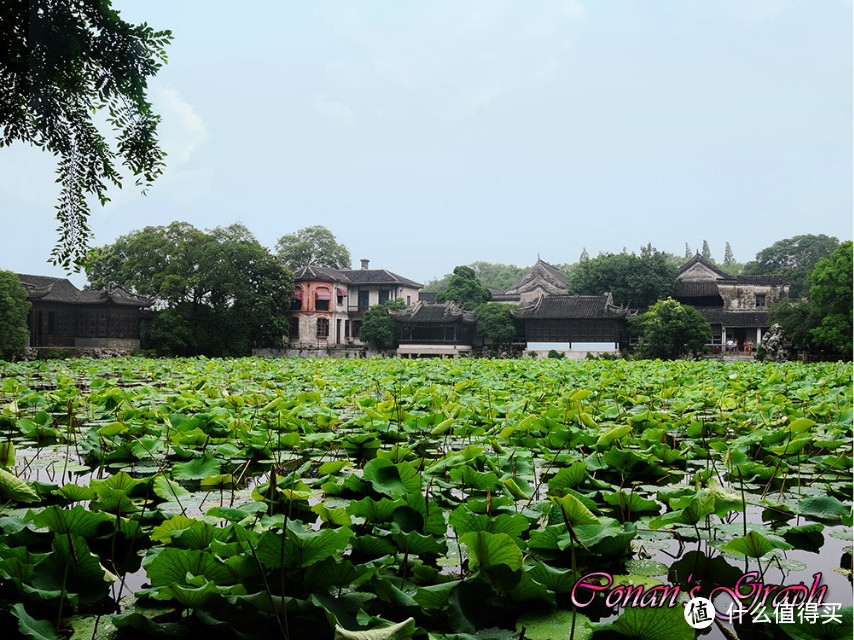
(322, 328)
(322, 296)
(296, 301)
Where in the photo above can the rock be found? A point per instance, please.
(775, 346)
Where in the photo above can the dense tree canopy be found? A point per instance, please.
(223, 292)
(61, 62)
(13, 317)
(637, 281)
(312, 246)
(671, 330)
(378, 327)
(495, 323)
(795, 258)
(491, 274)
(465, 289)
(831, 293)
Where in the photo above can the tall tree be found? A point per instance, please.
(795, 258)
(831, 293)
(688, 253)
(378, 327)
(465, 289)
(490, 274)
(729, 259)
(584, 257)
(13, 317)
(312, 246)
(633, 280)
(671, 330)
(495, 323)
(706, 253)
(222, 291)
(61, 63)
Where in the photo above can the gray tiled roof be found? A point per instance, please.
(48, 289)
(378, 276)
(692, 289)
(698, 259)
(541, 274)
(446, 312)
(571, 306)
(427, 296)
(324, 274)
(747, 319)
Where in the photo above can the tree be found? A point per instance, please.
(61, 62)
(706, 253)
(688, 253)
(671, 330)
(794, 258)
(13, 317)
(729, 259)
(465, 289)
(222, 292)
(797, 319)
(584, 257)
(495, 323)
(831, 294)
(312, 246)
(633, 280)
(491, 274)
(378, 327)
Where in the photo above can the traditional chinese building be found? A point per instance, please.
(736, 307)
(62, 315)
(434, 330)
(574, 325)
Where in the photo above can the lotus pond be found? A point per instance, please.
(413, 499)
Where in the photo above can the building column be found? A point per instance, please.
(758, 335)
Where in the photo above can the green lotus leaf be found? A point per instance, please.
(415, 543)
(652, 623)
(167, 489)
(615, 433)
(573, 510)
(13, 488)
(374, 511)
(554, 625)
(176, 566)
(163, 532)
(332, 468)
(337, 516)
(300, 548)
(199, 535)
(196, 469)
(392, 479)
(463, 520)
(77, 520)
(569, 477)
(32, 628)
(85, 575)
(7, 454)
(472, 479)
(400, 631)
(823, 628)
(434, 596)
(218, 481)
(631, 502)
(824, 507)
(755, 545)
(75, 493)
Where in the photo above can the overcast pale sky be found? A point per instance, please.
(431, 134)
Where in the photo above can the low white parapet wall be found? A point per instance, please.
(573, 350)
(452, 351)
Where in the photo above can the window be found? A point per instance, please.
(364, 301)
(384, 295)
(356, 328)
(296, 301)
(294, 332)
(408, 301)
(760, 299)
(322, 328)
(321, 300)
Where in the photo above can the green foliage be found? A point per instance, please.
(312, 246)
(223, 292)
(706, 252)
(671, 330)
(491, 274)
(495, 323)
(795, 258)
(465, 289)
(831, 293)
(63, 62)
(797, 319)
(633, 280)
(378, 327)
(729, 259)
(56, 353)
(556, 355)
(13, 317)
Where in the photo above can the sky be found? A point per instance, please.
(426, 135)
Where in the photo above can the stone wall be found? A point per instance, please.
(743, 297)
